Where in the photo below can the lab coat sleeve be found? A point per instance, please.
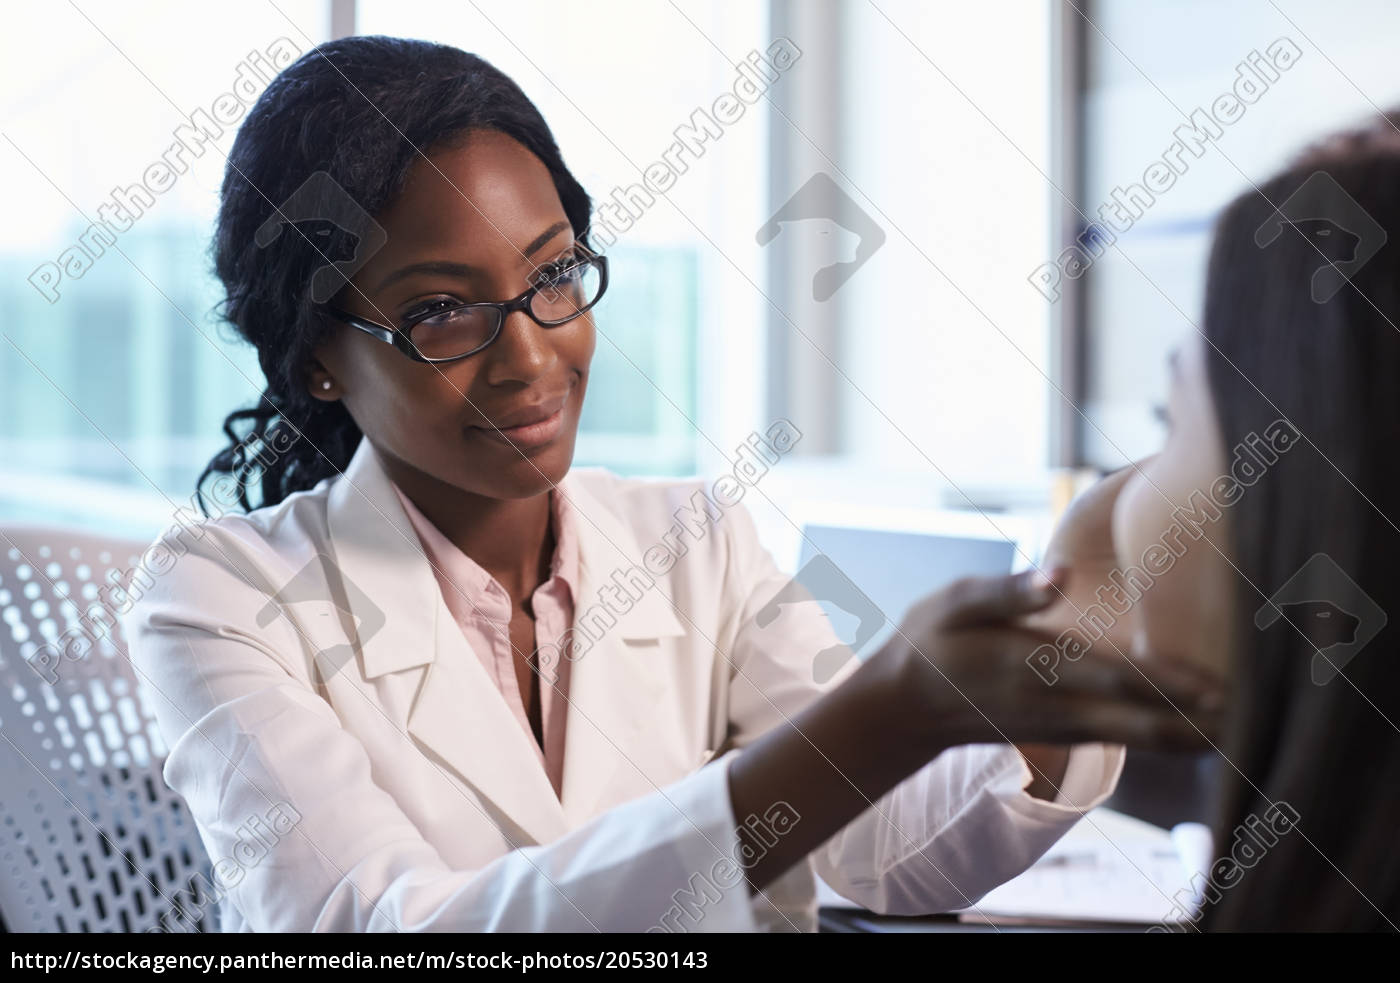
(250, 738)
(947, 834)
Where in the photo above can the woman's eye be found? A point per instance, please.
(431, 307)
(1162, 415)
(560, 270)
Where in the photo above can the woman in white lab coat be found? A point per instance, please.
(448, 682)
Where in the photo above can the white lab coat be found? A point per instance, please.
(388, 787)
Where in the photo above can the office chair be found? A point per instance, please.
(91, 838)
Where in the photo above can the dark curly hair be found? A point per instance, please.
(354, 114)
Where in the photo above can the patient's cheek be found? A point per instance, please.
(1188, 616)
(1167, 622)
(1099, 616)
(1182, 582)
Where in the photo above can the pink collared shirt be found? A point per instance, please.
(481, 607)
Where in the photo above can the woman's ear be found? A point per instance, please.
(320, 383)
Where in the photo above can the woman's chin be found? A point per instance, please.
(535, 474)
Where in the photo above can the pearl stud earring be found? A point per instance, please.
(325, 383)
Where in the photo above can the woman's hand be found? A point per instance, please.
(1083, 542)
(955, 673)
(964, 657)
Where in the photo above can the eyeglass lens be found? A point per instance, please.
(457, 331)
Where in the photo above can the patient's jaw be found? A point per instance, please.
(1093, 607)
(1167, 525)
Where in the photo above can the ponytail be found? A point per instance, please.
(268, 451)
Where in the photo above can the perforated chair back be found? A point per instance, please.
(92, 838)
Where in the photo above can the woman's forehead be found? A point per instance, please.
(489, 200)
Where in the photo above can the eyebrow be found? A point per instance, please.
(465, 270)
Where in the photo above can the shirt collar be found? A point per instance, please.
(460, 575)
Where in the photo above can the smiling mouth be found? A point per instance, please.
(536, 434)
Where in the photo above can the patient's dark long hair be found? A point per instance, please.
(350, 115)
(1314, 736)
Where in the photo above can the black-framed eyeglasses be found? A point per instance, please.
(444, 334)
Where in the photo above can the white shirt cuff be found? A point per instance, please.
(1091, 774)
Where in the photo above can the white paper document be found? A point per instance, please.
(1108, 868)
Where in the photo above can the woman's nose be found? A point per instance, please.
(523, 353)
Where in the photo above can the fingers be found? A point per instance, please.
(976, 601)
(1145, 703)
(1121, 675)
(1074, 719)
(1065, 719)
(1088, 721)
(982, 687)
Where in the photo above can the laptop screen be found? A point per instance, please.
(895, 569)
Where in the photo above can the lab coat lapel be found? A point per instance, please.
(458, 713)
(461, 716)
(615, 688)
